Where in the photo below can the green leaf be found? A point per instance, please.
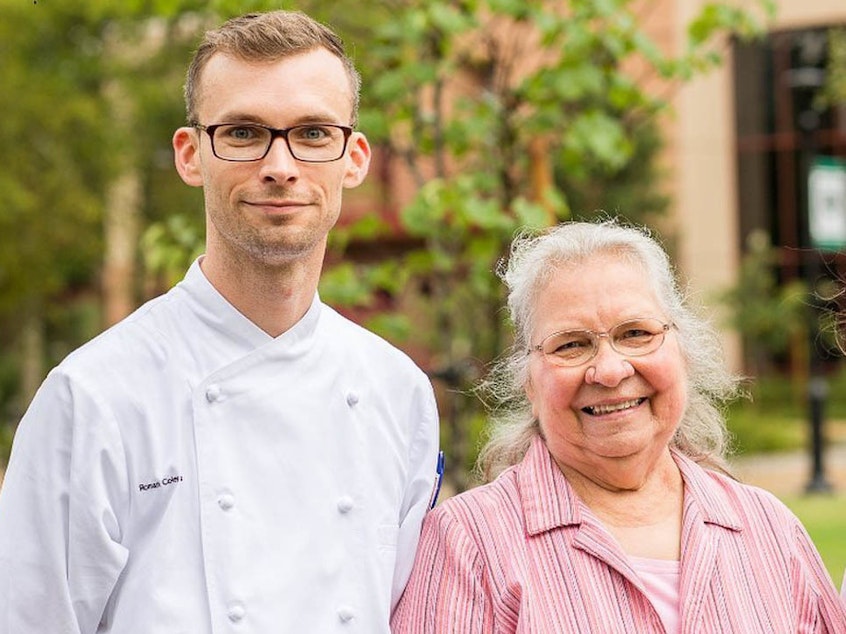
(426, 209)
(483, 213)
(601, 136)
(530, 214)
(343, 285)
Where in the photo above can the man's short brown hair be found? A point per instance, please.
(266, 37)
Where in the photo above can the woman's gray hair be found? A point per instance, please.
(701, 434)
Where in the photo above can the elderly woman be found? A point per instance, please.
(611, 511)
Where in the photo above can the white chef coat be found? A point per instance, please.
(186, 473)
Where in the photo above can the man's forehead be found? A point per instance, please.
(315, 69)
(311, 85)
(317, 57)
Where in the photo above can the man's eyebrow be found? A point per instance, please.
(239, 117)
(243, 117)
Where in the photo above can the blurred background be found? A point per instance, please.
(722, 126)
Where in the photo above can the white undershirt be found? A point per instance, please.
(661, 580)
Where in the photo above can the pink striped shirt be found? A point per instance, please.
(523, 554)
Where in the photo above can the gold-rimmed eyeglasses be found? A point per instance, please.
(631, 338)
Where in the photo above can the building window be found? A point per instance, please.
(781, 128)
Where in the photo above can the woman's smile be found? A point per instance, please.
(610, 408)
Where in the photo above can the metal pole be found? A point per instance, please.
(807, 80)
(817, 392)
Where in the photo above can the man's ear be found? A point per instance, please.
(186, 156)
(359, 160)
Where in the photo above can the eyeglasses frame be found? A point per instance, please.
(274, 134)
(665, 328)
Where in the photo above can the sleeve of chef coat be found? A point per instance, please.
(423, 464)
(60, 551)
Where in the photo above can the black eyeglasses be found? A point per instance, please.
(632, 338)
(310, 143)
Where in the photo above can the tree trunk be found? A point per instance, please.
(121, 239)
(32, 358)
(121, 213)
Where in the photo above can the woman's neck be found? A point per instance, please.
(642, 510)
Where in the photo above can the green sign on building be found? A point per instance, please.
(827, 203)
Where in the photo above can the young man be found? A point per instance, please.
(234, 456)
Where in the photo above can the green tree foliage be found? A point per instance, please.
(51, 178)
(834, 91)
(51, 119)
(504, 113)
(771, 317)
(61, 147)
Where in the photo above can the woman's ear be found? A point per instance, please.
(359, 160)
(186, 156)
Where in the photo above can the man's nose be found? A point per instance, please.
(279, 164)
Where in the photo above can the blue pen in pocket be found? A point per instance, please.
(437, 488)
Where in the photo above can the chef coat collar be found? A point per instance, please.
(214, 310)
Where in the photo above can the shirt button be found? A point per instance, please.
(345, 614)
(213, 393)
(226, 501)
(345, 504)
(236, 612)
(352, 399)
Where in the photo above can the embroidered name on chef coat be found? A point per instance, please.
(173, 479)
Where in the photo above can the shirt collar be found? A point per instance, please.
(708, 491)
(549, 501)
(214, 310)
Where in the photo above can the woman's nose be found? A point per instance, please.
(608, 367)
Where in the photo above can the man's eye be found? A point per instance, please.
(313, 134)
(241, 133)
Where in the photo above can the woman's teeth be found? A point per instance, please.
(598, 410)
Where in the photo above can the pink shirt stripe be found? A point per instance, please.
(523, 554)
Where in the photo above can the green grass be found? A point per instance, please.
(761, 431)
(825, 518)
(775, 418)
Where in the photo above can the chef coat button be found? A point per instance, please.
(213, 393)
(352, 399)
(236, 612)
(226, 501)
(345, 504)
(345, 613)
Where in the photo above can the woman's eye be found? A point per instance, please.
(570, 346)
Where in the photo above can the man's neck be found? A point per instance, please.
(273, 297)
